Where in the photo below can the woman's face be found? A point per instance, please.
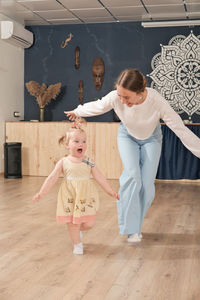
(128, 97)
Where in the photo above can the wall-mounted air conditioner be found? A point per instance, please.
(14, 33)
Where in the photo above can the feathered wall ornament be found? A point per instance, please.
(42, 93)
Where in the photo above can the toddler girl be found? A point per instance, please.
(77, 197)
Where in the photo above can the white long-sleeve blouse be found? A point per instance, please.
(141, 120)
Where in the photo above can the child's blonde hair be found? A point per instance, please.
(76, 127)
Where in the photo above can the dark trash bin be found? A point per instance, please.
(12, 160)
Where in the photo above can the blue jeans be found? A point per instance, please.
(140, 159)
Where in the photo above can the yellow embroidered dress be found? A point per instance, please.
(78, 199)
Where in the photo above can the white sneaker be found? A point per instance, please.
(78, 248)
(134, 238)
(139, 234)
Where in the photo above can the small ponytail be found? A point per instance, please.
(78, 122)
(62, 140)
(77, 125)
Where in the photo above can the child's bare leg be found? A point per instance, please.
(74, 232)
(87, 226)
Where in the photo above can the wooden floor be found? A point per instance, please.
(36, 260)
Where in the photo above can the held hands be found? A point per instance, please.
(71, 115)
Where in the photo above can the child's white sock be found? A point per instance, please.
(78, 248)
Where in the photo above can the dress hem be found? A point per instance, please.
(75, 220)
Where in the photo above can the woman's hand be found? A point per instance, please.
(71, 115)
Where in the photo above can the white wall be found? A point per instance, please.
(11, 88)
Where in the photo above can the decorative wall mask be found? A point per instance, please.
(77, 57)
(176, 73)
(80, 91)
(98, 70)
(66, 42)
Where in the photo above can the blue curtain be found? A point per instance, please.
(176, 161)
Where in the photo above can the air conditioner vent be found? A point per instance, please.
(14, 33)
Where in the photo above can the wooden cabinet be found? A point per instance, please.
(40, 148)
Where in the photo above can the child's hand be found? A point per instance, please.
(116, 195)
(36, 198)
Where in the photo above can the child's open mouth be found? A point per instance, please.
(80, 150)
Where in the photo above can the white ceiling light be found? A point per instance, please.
(170, 23)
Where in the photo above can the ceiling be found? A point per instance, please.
(54, 12)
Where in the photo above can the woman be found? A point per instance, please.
(139, 141)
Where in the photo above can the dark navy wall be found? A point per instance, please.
(121, 45)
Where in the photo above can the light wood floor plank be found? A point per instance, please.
(36, 260)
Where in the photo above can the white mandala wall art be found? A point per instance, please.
(176, 73)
